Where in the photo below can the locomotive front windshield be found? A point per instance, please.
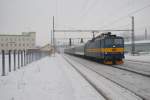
(111, 41)
(118, 41)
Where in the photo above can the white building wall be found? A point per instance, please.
(18, 42)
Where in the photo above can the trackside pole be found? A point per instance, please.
(3, 63)
(24, 57)
(14, 60)
(18, 59)
(9, 58)
(21, 58)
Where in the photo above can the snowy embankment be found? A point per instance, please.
(144, 57)
(133, 82)
(50, 78)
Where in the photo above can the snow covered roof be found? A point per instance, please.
(139, 42)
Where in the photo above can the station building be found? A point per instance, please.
(24, 41)
(140, 46)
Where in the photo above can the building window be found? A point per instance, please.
(10, 39)
(11, 45)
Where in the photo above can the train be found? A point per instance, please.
(105, 48)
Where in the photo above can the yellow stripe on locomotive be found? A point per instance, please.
(103, 50)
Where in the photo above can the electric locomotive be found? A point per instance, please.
(106, 48)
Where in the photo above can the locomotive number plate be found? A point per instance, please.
(114, 49)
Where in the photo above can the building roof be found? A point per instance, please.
(139, 42)
(22, 34)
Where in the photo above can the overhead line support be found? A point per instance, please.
(89, 30)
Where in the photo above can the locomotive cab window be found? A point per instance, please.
(118, 41)
(112, 41)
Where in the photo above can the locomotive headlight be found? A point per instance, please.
(114, 46)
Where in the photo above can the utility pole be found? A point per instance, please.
(145, 33)
(81, 40)
(93, 34)
(70, 42)
(53, 36)
(133, 37)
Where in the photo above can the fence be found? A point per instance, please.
(13, 60)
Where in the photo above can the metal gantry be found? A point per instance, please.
(94, 31)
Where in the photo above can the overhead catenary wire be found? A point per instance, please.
(138, 10)
(88, 9)
(128, 15)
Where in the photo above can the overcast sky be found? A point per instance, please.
(36, 15)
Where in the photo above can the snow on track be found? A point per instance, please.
(50, 78)
(137, 67)
(144, 57)
(111, 90)
(133, 82)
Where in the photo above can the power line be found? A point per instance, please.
(138, 10)
(126, 16)
(107, 30)
(89, 9)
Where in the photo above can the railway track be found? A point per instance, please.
(126, 68)
(138, 67)
(133, 86)
(95, 87)
(129, 68)
(145, 62)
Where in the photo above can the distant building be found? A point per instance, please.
(140, 46)
(46, 47)
(18, 42)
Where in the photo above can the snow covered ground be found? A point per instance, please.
(142, 57)
(110, 89)
(7, 64)
(137, 83)
(50, 78)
